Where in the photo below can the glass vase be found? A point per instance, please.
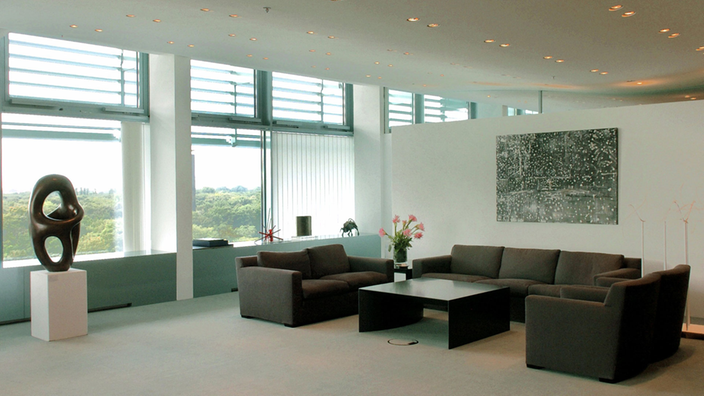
(400, 255)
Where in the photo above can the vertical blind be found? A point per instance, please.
(312, 175)
(49, 69)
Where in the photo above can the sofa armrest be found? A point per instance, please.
(431, 264)
(584, 293)
(385, 266)
(606, 281)
(624, 273)
(270, 293)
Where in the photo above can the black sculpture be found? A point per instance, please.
(348, 227)
(63, 223)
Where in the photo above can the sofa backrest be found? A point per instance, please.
(328, 260)
(533, 264)
(476, 260)
(295, 261)
(579, 268)
(631, 262)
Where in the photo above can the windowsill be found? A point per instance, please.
(260, 242)
(84, 258)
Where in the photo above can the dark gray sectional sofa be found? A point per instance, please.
(526, 271)
(315, 284)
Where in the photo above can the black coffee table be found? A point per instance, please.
(474, 310)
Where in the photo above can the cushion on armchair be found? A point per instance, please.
(484, 261)
(328, 260)
(295, 261)
(535, 264)
(579, 268)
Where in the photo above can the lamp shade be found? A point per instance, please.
(303, 227)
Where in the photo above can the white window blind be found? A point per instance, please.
(49, 69)
(222, 89)
(307, 99)
(312, 175)
(400, 108)
(438, 109)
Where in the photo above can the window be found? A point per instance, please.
(312, 175)
(222, 89)
(400, 108)
(439, 109)
(227, 183)
(307, 99)
(88, 152)
(57, 70)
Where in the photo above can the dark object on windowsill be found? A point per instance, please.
(210, 242)
(348, 227)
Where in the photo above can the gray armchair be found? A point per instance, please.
(674, 284)
(297, 288)
(609, 340)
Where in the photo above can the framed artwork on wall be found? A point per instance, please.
(558, 177)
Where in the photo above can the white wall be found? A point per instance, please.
(445, 174)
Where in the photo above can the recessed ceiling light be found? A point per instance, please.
(377, 62)
(700, 49)
(504, 45)
(169, 42)
(664, 30)
(331, 37)
(249, 55)
(328, 53)
(594, 70)
(73, 26)
(191, 45)
(442, 75)
(414, 19)
(673, 35)
(489, 40)
(156, 20)
(130, 15)
(368, 75)
(687, 96)
(390, 65)
(560, 61)
(311, 50)
(98, 30)
(314, 66)
(232, 35)
(628, 14)
(327, 68)
(604, 73)
(265, 58)
(615, 8)
(205, 9)
(692, 98)
(407, 53)
(639, 83)
(379, 77)
(547, 57)
(310, 32)
(253, 39)
(425, 85)
(433, 25)
(234, 16)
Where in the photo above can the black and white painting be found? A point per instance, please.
(558, 177)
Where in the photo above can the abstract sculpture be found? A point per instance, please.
(348, 227)
(62, 223)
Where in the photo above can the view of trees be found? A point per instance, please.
(233, 214)
(101, 227)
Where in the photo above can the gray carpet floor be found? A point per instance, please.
(203, 347)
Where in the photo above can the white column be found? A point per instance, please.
(135, 198)
(170, 140)
(369, 158)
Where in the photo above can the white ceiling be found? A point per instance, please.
(451, 60)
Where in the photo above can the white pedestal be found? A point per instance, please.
(693, 331)
(59, 302)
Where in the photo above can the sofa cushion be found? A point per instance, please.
(519, 287)
(535, 264)
(328, 260)
(359, 279)
(318, 288)
(295, 261)
(476, 260)
(579, 268)
(455, 277)
(543, 289)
